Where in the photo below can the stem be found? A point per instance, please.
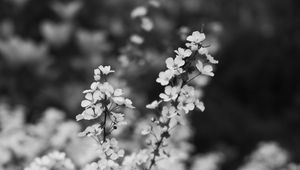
(156, 150)
(192, 78)
(104, 126)
(158, 144)
(163, 136)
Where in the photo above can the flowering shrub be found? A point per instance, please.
(105, 109)
(49, 48)
(178, 98)
(104, 104)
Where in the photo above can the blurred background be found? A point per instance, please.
(49, 48)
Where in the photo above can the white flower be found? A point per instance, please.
(114, 142)
(153, 105)
(211, 59)
(205, 69)
(183, 53)
(204, 51)
(193, 46)
(139, 12)
(146, 24)
(110, 149)
(186, 106)
(175, 64)
(187, 92)
(187, 99)
(164, 77)
(93, 87)
(123, 101)
(119, 100)
(87, 114)
(146, 130)
(128, 103)
(106, 88)
(121, 153)
(105, 69)
(169, 111)
(194, 40)
(116, 155)
(196, 37)
(88, 100)
(98, 95)
(118, 92)
(171, 93)
(118, 118)
(90, 113)
(91, 99)
(200, 105)
(97, 74)
(136, 39)
(93, 130)
(131, 161)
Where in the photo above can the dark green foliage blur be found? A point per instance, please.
(255, 95)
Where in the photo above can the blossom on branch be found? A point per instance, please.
(178, 96)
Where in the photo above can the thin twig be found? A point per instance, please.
(192, 78)
(104, 127)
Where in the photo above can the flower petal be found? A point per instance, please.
(85, 103)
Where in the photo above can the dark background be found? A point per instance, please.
(254, 96)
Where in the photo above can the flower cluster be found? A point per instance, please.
(178, 97)
(176, 77)
(135, 160)
(54, 160)
(185, 57)
(102, 104)
(108, 152)
(110, 149)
